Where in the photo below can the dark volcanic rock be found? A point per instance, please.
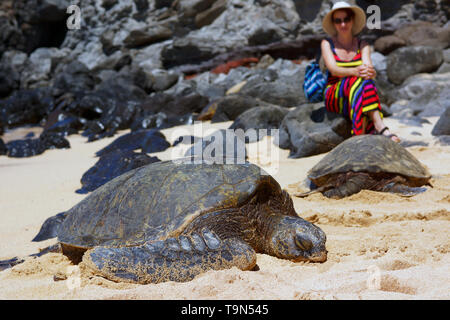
(155, 79)
(72, 77)
(148, 140)
(307, 9)
(262, 119)
(264, 33)
(442, 126)
(54, 140)
(220, 145)
(280, 84)
(387, 44)
(66, 125)
(163, 3)
(147, 36)
(240, 25)
(9, 80)
(112, 165)
(52, 10)
(424, 33)
(24, 148)
(29, 24)
(407, 61)
(111, 107)
(26, 107)
(160, 120)
(230, 107)
(431, 103)
(310, 129)
(14, 59)
(387, 9)
(267, 117)
(420, 85)
(32, 147)
(168, 109)
(423, 95)
(3, 149)
(209, 15)
(175, 104)
(185, 51)
(89, 106)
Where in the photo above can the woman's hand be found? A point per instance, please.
(370, 72)
(360, 71)
(365, 71)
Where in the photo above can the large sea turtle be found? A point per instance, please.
(370, 162)
(174, 220)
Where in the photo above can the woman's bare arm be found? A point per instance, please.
(332, 67)
(365, 54)
(369, 72)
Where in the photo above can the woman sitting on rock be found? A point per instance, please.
(350, 89)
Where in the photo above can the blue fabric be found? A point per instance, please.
(314, 83)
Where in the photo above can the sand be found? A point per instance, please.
(380, 246)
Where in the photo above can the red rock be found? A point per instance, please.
(225, 68)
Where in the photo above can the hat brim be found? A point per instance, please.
(359, 21)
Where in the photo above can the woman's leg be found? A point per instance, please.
(358, 100)
(362, 98)
(366, 109)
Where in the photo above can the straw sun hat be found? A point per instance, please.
(359, 19)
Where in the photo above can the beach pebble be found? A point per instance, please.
(59, 276)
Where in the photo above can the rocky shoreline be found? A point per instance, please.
(143, 65)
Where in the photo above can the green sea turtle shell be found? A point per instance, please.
(158, 201)
(372, 154)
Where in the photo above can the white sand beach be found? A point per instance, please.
(380, 246)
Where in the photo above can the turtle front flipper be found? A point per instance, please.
(174, 259)
(50, 227)
(350, 183)
(5, 264)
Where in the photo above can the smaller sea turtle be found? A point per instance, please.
(370, 162)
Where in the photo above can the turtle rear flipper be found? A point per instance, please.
(5, 264)
(403, 190)
(307, 193)
(314, 189)
(174, 259)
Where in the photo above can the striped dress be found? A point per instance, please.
(352, 96)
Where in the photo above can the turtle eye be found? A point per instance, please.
(303, 243)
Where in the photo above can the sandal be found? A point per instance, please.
(390, 136)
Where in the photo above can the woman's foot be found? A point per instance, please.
(380, 127)
(385, 132)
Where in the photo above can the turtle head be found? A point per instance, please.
(296, 239)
